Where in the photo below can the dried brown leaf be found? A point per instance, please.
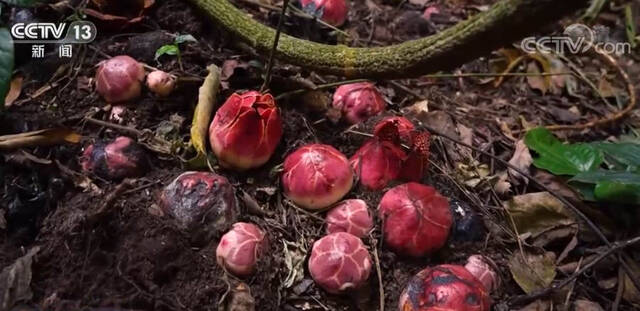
(15, 281)
(533, 271)
(522, 160)
(14, 91)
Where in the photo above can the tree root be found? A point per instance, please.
(506, 21)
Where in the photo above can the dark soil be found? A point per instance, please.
(132, 257)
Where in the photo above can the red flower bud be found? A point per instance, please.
(484, 269)
(240, 248)
(114, 160)
(377, 163)
(416, 219)
(444, 288)
(351, 216)
(333, 12)
(358, 101)
(246, 130)
(201, 202)
(119, 79)
(339, 262)
(404, 127)
(316, 176)
(161, 83)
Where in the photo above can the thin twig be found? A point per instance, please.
(376, 258)
(319, 87)
(267, 77)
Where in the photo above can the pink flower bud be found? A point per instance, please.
(404, 126)
(339, 262)
(240, 248)
(114, 160)
(416, 219)
(316, 176)
(351, 216)
(484, 269)
(358, 101)
(161, 83)
(203, 203)
(119, 79)
(444, 287)
(333, 12)
(246, 130)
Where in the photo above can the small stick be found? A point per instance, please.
(378, 270)
(267, 77)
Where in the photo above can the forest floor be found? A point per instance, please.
(134, 258)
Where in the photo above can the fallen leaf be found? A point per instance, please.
(502, 186)
(294, 257)
(586, 305)
(46, 137)
(533, 271)
(241, 299)
(606, 89)
(14, 90)
(535, 80)
(15, 281)
(538, 212)
(202, 115)
(316, 101)
(631, 293)
(522, 160)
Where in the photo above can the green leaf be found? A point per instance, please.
(184, 38)
(22, 3)
(611, 186)
(559, 158)
(6, 63)
(625, 153)
(170, 49)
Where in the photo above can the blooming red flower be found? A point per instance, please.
(339, 262)
(416, 219)
(119, 79)
(358, 101)
(417, 162)
(380, 159)
(246, 130)
(444, 288)
(240, 248)
(316, 176)
(403, 126)
(351, 216)
(333, 12)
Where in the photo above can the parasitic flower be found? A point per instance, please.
(246, 130)
(316, 176)
(161, 83)
(351, 216)
(444, 288)
(333, 12)
(115, 160)
(358, 101)
(203, 203)
(380, 159)
(119, 79)
(339, 262)
(416, 218)
(240, 249)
